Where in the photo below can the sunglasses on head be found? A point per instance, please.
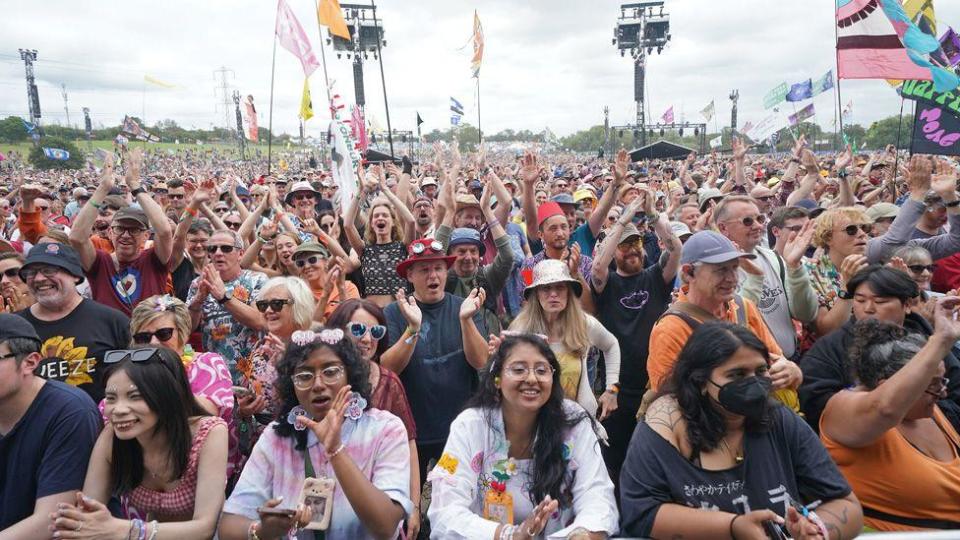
(311, 260)
(851, 230)
(224, 248)
(221, 209)
(275, 305)
(358, 330)
(420, 247)
(163, 334)
(750, 220)
(134, 355)
(12, 272)
(919, 268)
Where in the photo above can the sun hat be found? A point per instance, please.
(707, 195)
(422, 250)
(882, 210)
(301, 187)
(549, 271)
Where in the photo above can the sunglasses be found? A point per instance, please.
(311, 260)
(919, 268)
(132, 231)
(235, 225)
(224, 248)
(12, 272)
(420, 247)
(750, 220)
(358, 330)
(176, 196)
(134, 355)
(303, 196)
(851, 230)
(160, 191)
(275, 305)
(163, 334)
(221, 209)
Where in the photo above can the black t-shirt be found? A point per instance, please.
(182, 277)
(73, 347)
(629, 307)
(786, 459)
(47, 451)
(438, 378)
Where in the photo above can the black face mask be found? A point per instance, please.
(746, 397)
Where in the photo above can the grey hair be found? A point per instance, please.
(880, 349)
(304, 303)
(237, 241)
(911, 253)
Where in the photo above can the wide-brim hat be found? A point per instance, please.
(301, 187)
(549, 271)
(423, 250)
(466, 201)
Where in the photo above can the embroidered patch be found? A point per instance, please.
(448, 463)
(477, 462)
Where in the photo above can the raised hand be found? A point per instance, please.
(328, 428)
(572, 255)
(799, 145)
(945, 317)
(919, 175)
(537, 520)
(409, 309)
(739, 149)
(529, 169)
(797, 244)
(809, 162)
(845, 158)
(850, 266)
(620, 166)
(898, 264)
(472, 303)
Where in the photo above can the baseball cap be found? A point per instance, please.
(710, 247)
(132, 213)
(629, 232)
(563, 198)
(14, 326)
(882, 210)
(53, 254)
(312, 247)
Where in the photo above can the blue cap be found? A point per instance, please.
(464, 235)
(710, 247)
(563, 198)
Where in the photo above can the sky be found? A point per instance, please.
(547, 63)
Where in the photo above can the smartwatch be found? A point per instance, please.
(844, 295)
(227, 296)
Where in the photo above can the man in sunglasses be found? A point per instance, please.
(122, 278)
(75, 331)
(80, 198)
(779, 286)
(220, 300)
(177, 195)
(47, 432)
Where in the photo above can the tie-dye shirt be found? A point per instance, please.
(377, 443)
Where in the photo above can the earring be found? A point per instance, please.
(356, 406)
(294, 414)
(496, 381)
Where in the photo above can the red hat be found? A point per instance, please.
(548, 210)
(424, 249)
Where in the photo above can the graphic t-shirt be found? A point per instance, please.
(222, 334)
(438, 378)
(73, 347)
(140, 278)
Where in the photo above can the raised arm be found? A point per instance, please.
(403, 213)
(162, 231)
(601, 264)
(82, 229)
(846, 197)
(183, 227)
(809, 181)
(529, 173)
(350, 225)
(609, 196)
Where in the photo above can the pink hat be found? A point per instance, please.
(547, 210)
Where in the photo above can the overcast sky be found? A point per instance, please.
(548, 63)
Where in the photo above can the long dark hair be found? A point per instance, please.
(710, 345)
(341, 316)
(549, 469)
(358, 377)
(162, 381)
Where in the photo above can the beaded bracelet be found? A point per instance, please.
(134, 532)
(333, 454)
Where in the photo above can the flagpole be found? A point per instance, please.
(836, 56)
(273, 70)
(479, 127)
(323, 58)
(383, 78)
(896, 149)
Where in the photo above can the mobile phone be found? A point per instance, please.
(775, 531)
(268, 511)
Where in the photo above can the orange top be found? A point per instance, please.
(893, 477)
(334, 300)
(32, 228)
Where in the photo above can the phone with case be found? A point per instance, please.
(317, 493)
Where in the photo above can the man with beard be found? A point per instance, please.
(221, 300)
(122, 278)
(74, 331)
(629, 301)
(554, 228)
(423, 214)
(435, 343)
(465, 244)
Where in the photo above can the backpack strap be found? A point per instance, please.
(741, 310)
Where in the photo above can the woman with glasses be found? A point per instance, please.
(553, 310)
(920, 266)
(160, 454)
(888, 434)
(365, 324)
(521, 462)
(14, 293)
(324, 431)
(325, 276)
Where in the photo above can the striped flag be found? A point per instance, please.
(455, 106)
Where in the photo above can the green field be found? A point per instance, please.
(24, 147)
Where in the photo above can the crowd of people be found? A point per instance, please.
(481, 346)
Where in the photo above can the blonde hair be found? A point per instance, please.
(825, 223)
(572, 320)
(157, 306)
(368, 235)
(304, 303)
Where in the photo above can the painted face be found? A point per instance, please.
(553, 297)
(159, 328)
(317, 381)
(526, 379)
(125, 408)
(428, 279)
(869, 305)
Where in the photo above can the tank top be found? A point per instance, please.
(378, 263)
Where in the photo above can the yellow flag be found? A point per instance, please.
(328, 14)
(157, 82)
(306, 105)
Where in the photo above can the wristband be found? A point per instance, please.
(413, 335)
(842, 173)
(614, 388)
(138, 191)
(812, 516)
(333, 454)
(732, 536)
(493, 223)
(94, 204)
(191, 211)
(154, 526)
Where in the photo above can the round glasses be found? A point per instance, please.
(542, 372)
(420, 247)
(305, 380)
(358, 330)
(851, 230)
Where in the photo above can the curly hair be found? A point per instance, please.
(880, 349)
(710, 345)
(357, 370)
(827, 221)
(553, 423)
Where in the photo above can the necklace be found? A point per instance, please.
(738, 455)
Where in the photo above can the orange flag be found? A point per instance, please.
(329, 15)
(477, 45)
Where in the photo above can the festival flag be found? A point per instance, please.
(776, 96)
(419, 120)
(358, 128)
(157, 82)
(455, 120)
(802, 115)
(29, 126)
(132, 128)
(950, 46)
(57, 154)
(294, 39)
(251, 119)
(477, 45)
(306, 104)
(847, 111)
(668, 116)
(922, 12)
(329, 15)
(800, 91)
(824, 83)
(716, 142)
(455, 106)
(709, 111)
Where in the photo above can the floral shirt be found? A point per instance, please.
(475, 464)
(257, 373)
(826, 284)
(377, 444)
(222, 334)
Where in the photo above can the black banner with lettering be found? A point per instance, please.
(935, 131)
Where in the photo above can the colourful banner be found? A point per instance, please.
(294, 39)
(935, 131)
(250, 120)
(477, 45)
(823, 84)
(802, 114)
(924, 91)
(776, 96)
(800, 91)
(57, 154)
(668, 116)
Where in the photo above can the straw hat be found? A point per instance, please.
(550, 271)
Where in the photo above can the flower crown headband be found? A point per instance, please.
(330, 336)
(164, 303)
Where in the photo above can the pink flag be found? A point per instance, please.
(868, 46)
(294, 39)
(668, 116)
(251, 119)
(359, 129)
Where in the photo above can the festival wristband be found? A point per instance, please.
(192, 211)
(95, 204)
